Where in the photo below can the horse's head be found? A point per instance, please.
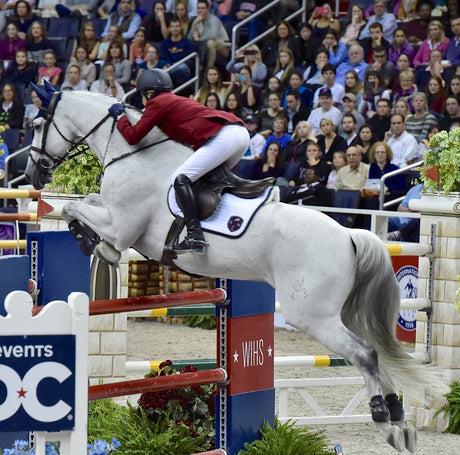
(48, 148)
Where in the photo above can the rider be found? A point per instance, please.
(219, 139)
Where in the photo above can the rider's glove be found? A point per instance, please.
(116, 109)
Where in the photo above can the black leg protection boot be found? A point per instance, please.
(194, 241)
(240, 185)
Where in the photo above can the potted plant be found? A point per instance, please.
(441, 172)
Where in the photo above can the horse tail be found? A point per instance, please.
(371, 312)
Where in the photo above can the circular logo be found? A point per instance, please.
(407, 277)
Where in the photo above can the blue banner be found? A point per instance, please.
(37, 382)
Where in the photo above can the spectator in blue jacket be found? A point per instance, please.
(175, 48)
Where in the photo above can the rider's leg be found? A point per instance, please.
(194, 241)
(228, 145)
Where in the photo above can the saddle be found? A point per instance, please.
(209, 188)
(208, 191)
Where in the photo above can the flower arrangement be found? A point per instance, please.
(192, 406)
(442, 163)
(98, 447)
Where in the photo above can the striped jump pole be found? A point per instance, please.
(308, 361)
(409, 249)
(18, 217)
(203, 309)
(156, 384)
(152, 302)
(13, 244)
(14, 193)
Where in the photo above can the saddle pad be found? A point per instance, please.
(233, 214)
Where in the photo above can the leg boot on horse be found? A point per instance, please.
(241, 187)
(194, 242)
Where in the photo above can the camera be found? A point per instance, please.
(322, 11)
(250, 52)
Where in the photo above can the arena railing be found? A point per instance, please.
(382, 203)
(193, 80)
(301, 11)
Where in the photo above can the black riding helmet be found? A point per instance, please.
(155, 79)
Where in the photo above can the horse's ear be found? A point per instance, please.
(48, 87)
(44, 96)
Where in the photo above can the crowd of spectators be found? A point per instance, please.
(365, 89)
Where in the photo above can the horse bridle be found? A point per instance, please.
(45, 162)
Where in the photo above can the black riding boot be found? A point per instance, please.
(240, 185)
(194, 241)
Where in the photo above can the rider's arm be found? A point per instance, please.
(135, 133)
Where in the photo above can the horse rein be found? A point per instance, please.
(49, 120)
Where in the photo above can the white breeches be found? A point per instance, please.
(227, 146)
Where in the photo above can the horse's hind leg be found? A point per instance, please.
(396, 410)
(333, 334)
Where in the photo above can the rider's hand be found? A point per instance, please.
(116, 109)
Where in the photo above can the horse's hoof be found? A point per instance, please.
(395, 437)
(107, 253)
(410, 437)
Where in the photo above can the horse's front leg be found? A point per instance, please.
(89, 221)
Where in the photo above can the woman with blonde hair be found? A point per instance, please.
(339, 160)
(250, 56)
(296, 149)
(401, 107)
(284, 65)
(436, 39)
(182, 15)
(328, 141)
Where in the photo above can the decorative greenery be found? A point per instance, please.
(286, 439)
(444, 152)
(139, 434)
(203, 322)
(78, 175)
(191, 406)
(451, 409)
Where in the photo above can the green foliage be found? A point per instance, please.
(193, 406)
(451, 409)
(78, 175)
(138, 434)
(285, 439)
(444, 153)
(203, 322)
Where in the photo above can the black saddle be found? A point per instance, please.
(209, 188)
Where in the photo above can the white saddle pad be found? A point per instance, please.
(233, 214)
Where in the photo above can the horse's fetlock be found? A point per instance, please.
(394, 407)
(379, 410)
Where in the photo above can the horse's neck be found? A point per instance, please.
(105, 141)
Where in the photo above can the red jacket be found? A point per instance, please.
(180, 118)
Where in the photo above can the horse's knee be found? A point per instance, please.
(85, 236)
